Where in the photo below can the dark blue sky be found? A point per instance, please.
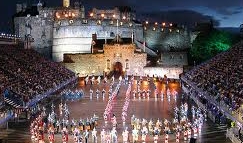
(225, 13)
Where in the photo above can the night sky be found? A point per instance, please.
(224, 13)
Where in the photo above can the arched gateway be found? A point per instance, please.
(117, 69)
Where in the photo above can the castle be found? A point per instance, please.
(68, 30)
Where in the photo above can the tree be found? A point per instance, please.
(208, 44)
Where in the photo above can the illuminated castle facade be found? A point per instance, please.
(55, 31)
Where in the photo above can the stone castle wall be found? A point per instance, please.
(75, 36)
(163, 38)
(174, 59)
(100, 63)
(39, 28)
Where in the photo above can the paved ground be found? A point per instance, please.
(143, 108)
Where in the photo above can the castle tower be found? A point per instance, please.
(66, 3)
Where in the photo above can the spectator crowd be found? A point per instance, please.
(222, 77)
(27, 74)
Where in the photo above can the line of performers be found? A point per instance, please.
(92, 80)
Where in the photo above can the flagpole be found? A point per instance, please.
(117, 30)
(132, 37)
(144, 44)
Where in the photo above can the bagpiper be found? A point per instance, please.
(177, 136)
(51, 135)
(64, 135)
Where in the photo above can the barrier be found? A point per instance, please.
(230, 134)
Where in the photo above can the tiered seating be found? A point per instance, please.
(27, 74)
(222, 76)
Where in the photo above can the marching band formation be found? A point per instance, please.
(187, 122)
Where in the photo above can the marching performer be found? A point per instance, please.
(86, 136)
(156, 134)
(134, 93)
(40, 135)
(98, 79)
(113, 79)
(113, 120)
(144, 134)
(108, 137)
(51, 135)
(134, 135)
(103, 94)
(94, 136)
(97, 93)
(177, 136)
(185, 135)
(64, 135)
(195, 131)
(92, 80)
(76, 134)
(114, 135)
(166, 138)
(189, 132)
(86, 80)
(125, 136)
(90, 93)
(148, 93)
(162, 95)
(103, 135)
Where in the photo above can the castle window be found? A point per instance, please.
(181, 56)
(112, 34)
(85, 21)
(108, 64)
(171, 57)
(119, 55)
(127, 64)
(99, 22)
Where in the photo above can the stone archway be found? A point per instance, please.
(117, 69)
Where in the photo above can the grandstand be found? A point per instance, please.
(221, 81)
(26, 77)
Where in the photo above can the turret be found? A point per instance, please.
(19, 8)
(39, 5)
(66, 3)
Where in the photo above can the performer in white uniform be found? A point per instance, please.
(144, 133)
(125, 135)
(94, 136)
(114, 135)
(103, 135)
(134, 135)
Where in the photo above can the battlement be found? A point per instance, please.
(119, 46)
(95, 22)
